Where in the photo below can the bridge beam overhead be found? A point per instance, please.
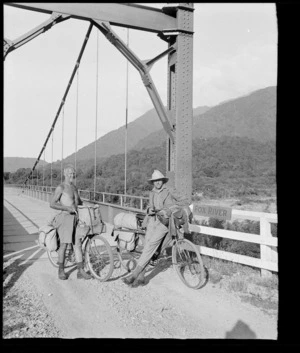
(124, 15)
(173, 24)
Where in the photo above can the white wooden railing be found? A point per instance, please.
(267, 263)
(268, 260)
(46, 192)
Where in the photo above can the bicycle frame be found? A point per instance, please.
(70, 247)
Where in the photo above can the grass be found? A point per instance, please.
(238, 285)
(244, 281)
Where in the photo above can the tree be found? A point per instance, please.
(6, 176)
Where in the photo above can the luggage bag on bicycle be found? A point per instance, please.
(48, 238)
(91, 216)
(125, 239)
(124, 226)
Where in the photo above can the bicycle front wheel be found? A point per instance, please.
(188, 263)
(99, 257)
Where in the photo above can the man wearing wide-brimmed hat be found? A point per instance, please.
(161, 200)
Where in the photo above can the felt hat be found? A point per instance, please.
(157, 175)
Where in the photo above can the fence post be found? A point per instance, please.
(141, 204)
(266, 251)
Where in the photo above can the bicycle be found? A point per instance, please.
(97, 255)
(186, 258)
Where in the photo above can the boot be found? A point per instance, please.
(154, 259)
(81, 274)
(61, 272)
(135, 274)
(140, 280)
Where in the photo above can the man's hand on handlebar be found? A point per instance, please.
(152, 211)
(72, 210)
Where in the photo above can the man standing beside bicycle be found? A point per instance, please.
(66, 199)
(158, 213)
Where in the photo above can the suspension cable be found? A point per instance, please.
(62, 143)
(37, 175)
(126, 121)
(96, 117)
(44, 168)
(51, 158)
(64, 97)
(76, 128)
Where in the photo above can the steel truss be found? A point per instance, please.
(173, 24)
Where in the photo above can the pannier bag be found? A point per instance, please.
(82, 230)
(126, 240)
(48, 238)
(91, 216)
(125, 220)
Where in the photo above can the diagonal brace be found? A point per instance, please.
(150, 62)
(64, 97)
(9, 45)
(143, 69)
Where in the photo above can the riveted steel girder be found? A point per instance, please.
(10, 45)
(125, 15)
(180, 104)
(143, 67)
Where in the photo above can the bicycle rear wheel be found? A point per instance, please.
(188, 263)
(69, 258)
(99, 257)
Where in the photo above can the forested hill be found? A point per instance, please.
(252, 116)
(222, 167)
(113, 142)
(12, 164)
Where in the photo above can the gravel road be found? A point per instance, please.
(38, 304)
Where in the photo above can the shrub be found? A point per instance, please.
(234, 246)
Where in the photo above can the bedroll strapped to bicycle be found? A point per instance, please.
(48, 238)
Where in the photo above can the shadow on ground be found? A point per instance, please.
(240, 331)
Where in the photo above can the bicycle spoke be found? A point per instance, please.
(100, 258)
(188, 263)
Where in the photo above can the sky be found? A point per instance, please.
(234, 53)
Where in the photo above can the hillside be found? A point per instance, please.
(252, 116)
(222, 167)
(225, 167)
(12, 164)
(113, 142)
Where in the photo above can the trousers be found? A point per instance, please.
(155, 234)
